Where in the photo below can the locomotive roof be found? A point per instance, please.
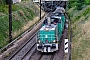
(59, 10)
(50, 27)
(56, 17)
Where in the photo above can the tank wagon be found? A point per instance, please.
(48, 37)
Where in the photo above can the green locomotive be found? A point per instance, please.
(50, 33)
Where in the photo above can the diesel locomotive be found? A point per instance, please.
(49, 35)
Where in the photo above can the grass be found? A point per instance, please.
(22, 14)
(4, 9)
(81, 34)
(80, 44)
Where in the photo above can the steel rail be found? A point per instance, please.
(22, 46)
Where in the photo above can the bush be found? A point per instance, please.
(87, 2)
(79, 6)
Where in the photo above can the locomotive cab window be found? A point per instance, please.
(45, 22)
(54, 20)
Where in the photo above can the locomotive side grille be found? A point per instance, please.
(47, 37)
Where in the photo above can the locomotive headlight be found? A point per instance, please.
(46, 29)
(38, 41)
(54, 41)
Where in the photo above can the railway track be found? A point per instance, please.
(23, 50)
(28, 51)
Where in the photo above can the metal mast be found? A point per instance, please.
(10, 20)
(40, 9)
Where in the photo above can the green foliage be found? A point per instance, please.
(21, 14)
(78, 3)
(2, 2)
(79, 6)
(86, 12)
(87, 2)
(3, 31)
(16, 25)
(4, 8)
(72, 5)
(15, 8)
